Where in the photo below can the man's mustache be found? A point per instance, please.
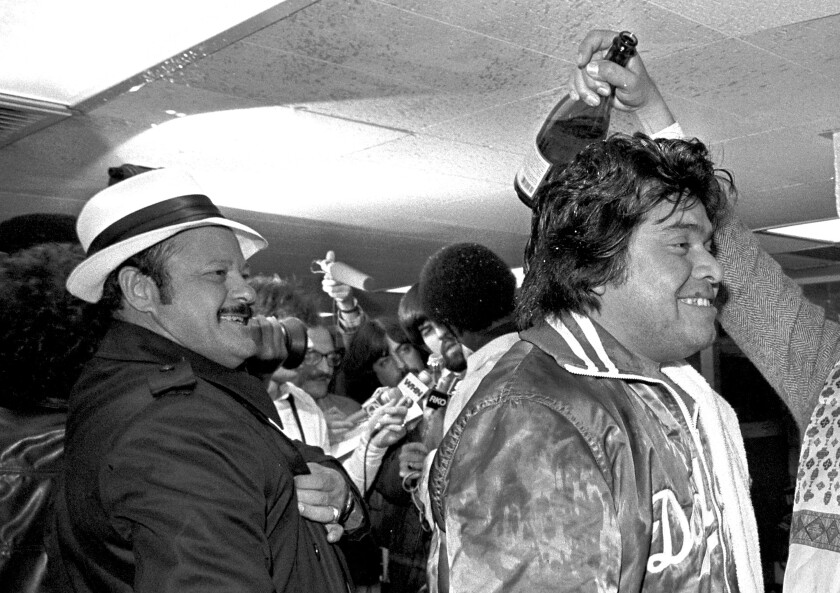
(319, 377)
(241, 310)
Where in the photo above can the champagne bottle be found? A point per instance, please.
(569, 127)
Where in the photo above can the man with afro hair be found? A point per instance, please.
(468, 294)
(470, 291)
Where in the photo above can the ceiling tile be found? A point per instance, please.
(250, 71)
(755, 85)
(796, 43)
(554, 28)
(380, 41)
(708, 122)
(740, 17)
(448, 157)
(507, 126)
(808, 156)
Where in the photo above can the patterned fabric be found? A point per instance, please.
(813, 564)
(819, 463)
(819, 530)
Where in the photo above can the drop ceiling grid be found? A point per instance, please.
(742, 17)
(555, 28)
(399, 46)
(437, 156)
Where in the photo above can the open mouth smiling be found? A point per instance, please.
(234, 319)
(239, 315)
(696, 301)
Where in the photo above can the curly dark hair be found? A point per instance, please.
(467, 286)
(584, 219)
(285, 297)
(46, 334)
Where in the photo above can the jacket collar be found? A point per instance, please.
(128, 342)
(582, 346)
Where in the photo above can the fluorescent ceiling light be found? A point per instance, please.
(68, 52)
(229, 153)
(826, 231)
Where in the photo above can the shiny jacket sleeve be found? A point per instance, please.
(787, 337)
(191, 498)
(528, 507)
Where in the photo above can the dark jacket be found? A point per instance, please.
(396, 524)
(31, 445)
(173, 485)
(575, 467)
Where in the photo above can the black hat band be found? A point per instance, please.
(157, 216)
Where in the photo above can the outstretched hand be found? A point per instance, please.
(385, 426)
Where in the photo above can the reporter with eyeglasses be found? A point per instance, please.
(309, 411)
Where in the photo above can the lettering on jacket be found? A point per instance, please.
(678, 533)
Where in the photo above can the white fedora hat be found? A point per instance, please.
(127, 217)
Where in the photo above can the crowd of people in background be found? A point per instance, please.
(229, 432)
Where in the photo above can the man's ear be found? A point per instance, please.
(139, 290)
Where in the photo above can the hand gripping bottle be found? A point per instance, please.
(569, 127)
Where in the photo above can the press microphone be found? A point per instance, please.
(341, 272)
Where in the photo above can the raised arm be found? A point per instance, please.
(635, 90)
(788, 338)
(349, 314)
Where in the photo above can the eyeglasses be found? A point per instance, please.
(313, 357)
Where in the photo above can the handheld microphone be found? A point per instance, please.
(341, 272)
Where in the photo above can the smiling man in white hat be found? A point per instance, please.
(178, 477)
